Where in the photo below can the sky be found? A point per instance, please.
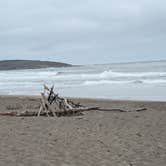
(83, 31)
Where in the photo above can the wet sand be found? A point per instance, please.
(94, 139)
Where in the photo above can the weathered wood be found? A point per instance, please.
(141, 109)
(67, 104)
(50, 94)
(48, 104)
(120, 110)
(60, 105)
(8, 113)
(43, 105)
(39, 112)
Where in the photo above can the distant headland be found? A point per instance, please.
(29, 64)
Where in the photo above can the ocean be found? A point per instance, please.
(128, 81)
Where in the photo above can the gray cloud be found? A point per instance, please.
(89, 31)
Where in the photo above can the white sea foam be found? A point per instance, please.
(110, 73)
(157, 81)
(87, 83)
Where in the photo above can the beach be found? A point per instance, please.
(96, 138)
(82, 83)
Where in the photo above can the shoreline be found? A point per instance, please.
(86, 98)
(24, 102)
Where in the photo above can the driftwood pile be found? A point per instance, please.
(54, 105)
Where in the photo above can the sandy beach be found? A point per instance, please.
(94, 139)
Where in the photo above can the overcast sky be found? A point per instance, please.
(83, 31)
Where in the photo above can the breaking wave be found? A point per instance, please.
(86, 83)
(110, 74)
(134, 74)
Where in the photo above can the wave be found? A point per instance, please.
(104, 82)
(109, 74)
(61, 75)
(157, 81)
(86, 83)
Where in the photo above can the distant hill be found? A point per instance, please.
(29, 64)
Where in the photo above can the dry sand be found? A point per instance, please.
(94, 139)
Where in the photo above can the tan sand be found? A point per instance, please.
(94, 139)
